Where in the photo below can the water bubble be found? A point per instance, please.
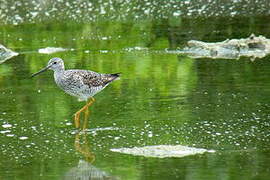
(116, 138)
(23, 138)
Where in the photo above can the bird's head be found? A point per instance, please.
(55, 64)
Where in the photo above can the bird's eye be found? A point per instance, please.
(54, 62)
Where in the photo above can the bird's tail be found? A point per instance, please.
(115, 76)
(110, 78)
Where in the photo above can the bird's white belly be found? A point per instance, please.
(74, 86)
(82, 92)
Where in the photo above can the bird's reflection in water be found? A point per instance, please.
(85, 170)
(81, 145)
(86, 119)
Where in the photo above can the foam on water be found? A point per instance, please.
(51, 50)
(163, 151)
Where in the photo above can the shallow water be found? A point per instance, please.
(161, 99)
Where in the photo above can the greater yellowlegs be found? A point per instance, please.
(83, 84)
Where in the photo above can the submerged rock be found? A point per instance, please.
(6, 53)
(50, 50)
(162, 151)
(253, 47)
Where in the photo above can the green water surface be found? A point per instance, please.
(161, 99)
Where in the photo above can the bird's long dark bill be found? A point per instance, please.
(42, 70)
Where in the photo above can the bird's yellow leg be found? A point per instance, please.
(77, 114)
(77, 119)
(86, 112)
(86, 116)
(91, 101)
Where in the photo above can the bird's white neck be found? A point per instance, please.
(58, 74)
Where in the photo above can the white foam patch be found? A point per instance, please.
(50, 50)
(94, 130)
(162, 151)
(105, 129)
(6, 125)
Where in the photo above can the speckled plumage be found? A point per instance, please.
(82, 84)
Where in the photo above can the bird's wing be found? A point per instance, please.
(91, 78)
(87, 78)
(94, 79)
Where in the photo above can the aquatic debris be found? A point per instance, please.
(50, 50)
(253, 47)
(162, 151)
(6, 53)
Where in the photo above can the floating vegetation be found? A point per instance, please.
(162, 151)
(51, 50)
(6, 53)
(252, 47)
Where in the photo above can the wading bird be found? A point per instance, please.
(83, 84)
